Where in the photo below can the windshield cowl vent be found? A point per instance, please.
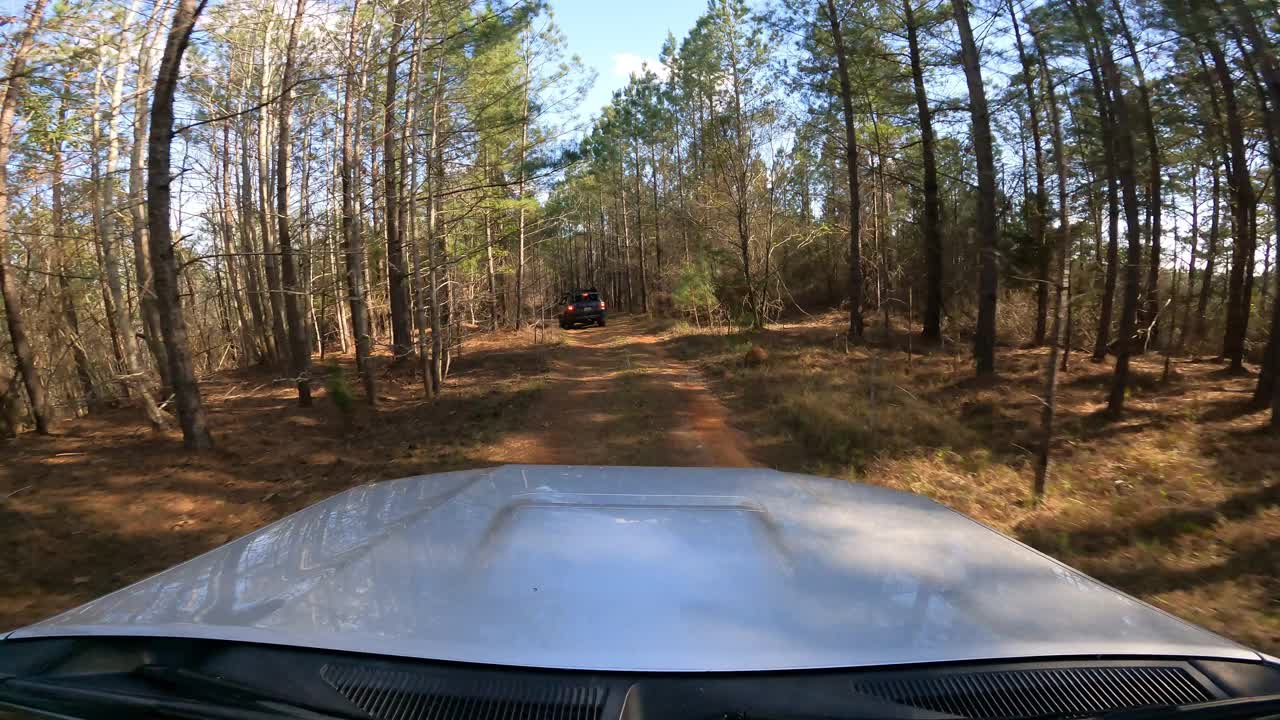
(1040, 693)
(388, 694)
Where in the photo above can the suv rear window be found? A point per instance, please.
(584, 298)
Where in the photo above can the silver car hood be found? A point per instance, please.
(639, 569)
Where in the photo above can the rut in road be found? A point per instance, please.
(617, 398)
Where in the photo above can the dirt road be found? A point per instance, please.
(617, 398)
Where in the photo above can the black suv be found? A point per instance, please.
(581, 307)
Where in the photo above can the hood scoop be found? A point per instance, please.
(1041, 693)
(391, 694)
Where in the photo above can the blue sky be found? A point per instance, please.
(614, 38)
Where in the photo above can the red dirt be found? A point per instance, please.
(617, 398)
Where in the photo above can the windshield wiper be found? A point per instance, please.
(1250, 708)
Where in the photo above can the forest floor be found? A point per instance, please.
(1178, 503)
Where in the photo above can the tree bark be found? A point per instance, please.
(657, 216)
(856, 322)
(644, 274)
(88, 393)
(248, 342)
(435, 244)
(1151, 306)
(147, 58)
(1062, 282)
(397, 291)
(1126, 171)
(259, 305)
(105, 200)
(932, 221)
(191, 416)
(1039, 216)
(1191, 261)
(352, 239)
(12, 302)
(270, 256)
(299, 344)
(1268, 387)
(984, 336)
(1105, 120)
(524, 149)
(97, 211)
(1240, 189)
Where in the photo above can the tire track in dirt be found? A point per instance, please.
(615, 397)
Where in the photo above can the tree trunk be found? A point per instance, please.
(984, 337)
(624, 251)
(97, 209)
(88, 393)
(259, 305)
(299, 344)
(851, 167)
(1151, 308)
(271, 258)
(248, 342)
(1269, 377)
(524, 142)
(12, 302)
(398, 294)
(931, 229)
(1241, 192)
(644, 275)
(1191, 262)
(173, 325)
(1063, 280)
(147, 57)
(409, 143)
(105, 201)
(1133, 225)
(657, 218)
(1105, 121)
(1210, 254)
(1039, 216)
(490, 275)
(435, 172)
(352, 238)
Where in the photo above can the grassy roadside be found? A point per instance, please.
(1178, 503)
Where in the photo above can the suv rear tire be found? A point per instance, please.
(600, 322)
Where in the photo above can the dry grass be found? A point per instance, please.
(1177, 503)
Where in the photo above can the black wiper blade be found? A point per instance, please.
(1259, 707)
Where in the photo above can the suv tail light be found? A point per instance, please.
(601, 304)
(569, 309)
